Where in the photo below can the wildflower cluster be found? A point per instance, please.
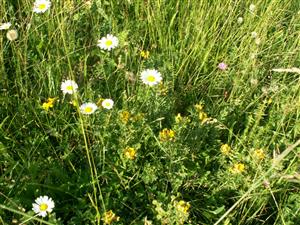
(225, 149)
(235, 168)
(124, 132)
(259, 154)
(176, 212)
(238, 168)
(182, 208)
(145, 54)
(124, 116)
(167, 135)
(109, 217)
(181, 121)
(130, 153)
(203, 117)
(48, 104)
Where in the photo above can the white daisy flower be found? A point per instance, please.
(254, 35)
(43, 205)
(109, 42)
(252, 8)
(5, 26)
(107, 103)
(41, 6)
(240, 20)
(257, 41)
(88, 108)
(151, 77)
(69, 87)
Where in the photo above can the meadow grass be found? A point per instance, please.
(207, 145)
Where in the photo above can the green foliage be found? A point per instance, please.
(158, 156)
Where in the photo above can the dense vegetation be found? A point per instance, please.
(215, 142)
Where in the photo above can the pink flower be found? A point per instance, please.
(222, 66)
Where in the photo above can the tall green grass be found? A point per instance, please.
(79, 160)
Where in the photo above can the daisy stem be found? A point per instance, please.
(93, 169)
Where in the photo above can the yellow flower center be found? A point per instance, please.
(69, 88)
(108, 43)
(43, 207)
(42, 6)
(107, 104)
(88, 109)
(151, 78)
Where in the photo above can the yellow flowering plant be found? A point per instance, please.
(48, 104)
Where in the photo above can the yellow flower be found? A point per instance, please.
(145, 54)
(163, 90)
(270, 101)
(109, 217)
(238, 168)
(88, 4)
(182, 206)
(203, 117)
(178, 118)
(199, 107)
(124, 116)
(225, 149)
(130, 153)
(48, 104)
(171, 134)
(167, 135)
(259, 154)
